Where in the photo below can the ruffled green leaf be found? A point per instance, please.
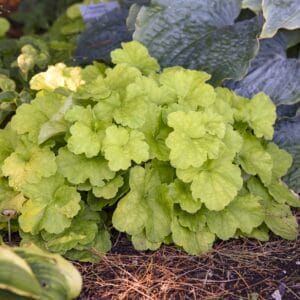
(117, 82)
(188, 87)
(254, 159)
(278, 216)
(28, 164)
(56, 125)
(146, 207)
(29, 118)
(196, 138)
(156, 132)
(49, 198)
(11, 201)
(244, 213)
(135, 55)
(94, 251)
(280, 220)
(8, 142)
(141, 243)
(282, 160)
(87, 133)
(121, 146)
(110, 189)
(194, 222)
(215, 184)
(260, 114)
(78, 168)
(180, 193)
(281, 193)
(192, 242)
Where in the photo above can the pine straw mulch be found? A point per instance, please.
(235, 269)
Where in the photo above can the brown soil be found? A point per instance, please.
(235, 269)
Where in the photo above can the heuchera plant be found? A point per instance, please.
(158, 154)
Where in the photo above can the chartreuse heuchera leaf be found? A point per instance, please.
(160, 155)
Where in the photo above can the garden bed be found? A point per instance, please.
(233, 269)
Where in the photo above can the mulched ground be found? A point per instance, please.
(236, 269)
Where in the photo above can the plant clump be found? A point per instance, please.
(158, 154)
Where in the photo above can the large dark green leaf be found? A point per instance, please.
(199, 35)
(287, 136)
(273, 73)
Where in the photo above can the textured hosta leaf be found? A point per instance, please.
(192, 242)
(104, 35)
(254, 158)
(280, 14)
(51, 205)
(287, 136)
(28, 164)
(121, 146)
(78, 168)
(272, 72)
(244, 212)
(196, 137)
(146, 207)
(199, 35)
